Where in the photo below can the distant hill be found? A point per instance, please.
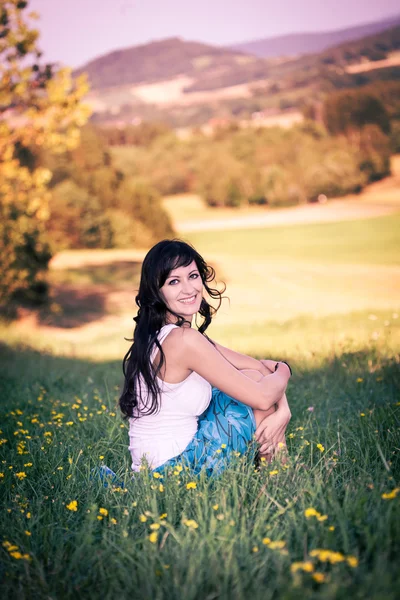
(169, 58)
(310, 43)
(185, 83)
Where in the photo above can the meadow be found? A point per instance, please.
(324, 525)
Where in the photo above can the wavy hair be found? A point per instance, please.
(151, 316)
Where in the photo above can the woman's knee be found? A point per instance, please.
(252, 374)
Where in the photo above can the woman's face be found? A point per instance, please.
(182, 291)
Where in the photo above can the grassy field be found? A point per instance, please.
(324, 525)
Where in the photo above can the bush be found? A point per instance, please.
(77, 219)
(395, 137)
(375, 153)
(346, 111)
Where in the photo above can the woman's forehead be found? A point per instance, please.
(183, 270)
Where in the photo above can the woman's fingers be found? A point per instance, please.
(267, 448)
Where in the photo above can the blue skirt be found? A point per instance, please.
(226, 428)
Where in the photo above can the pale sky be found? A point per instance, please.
(75, 31)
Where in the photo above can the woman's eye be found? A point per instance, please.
(195, 275)
(172, 282)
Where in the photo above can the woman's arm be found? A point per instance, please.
(241, 361)
(191, 350)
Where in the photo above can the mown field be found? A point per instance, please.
(324, 525)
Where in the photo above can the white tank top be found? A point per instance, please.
(166, 434)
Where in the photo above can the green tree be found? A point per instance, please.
(351, 110)
(40, 107)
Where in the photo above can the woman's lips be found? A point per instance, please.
(190, 300)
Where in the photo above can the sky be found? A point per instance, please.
(76, 31)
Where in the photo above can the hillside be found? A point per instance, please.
(187, 83)
(169, 58)
(310, 43)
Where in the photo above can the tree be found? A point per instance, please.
(352, 110)
(40, 108)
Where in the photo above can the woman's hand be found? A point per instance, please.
(269, 365)
(270, 433)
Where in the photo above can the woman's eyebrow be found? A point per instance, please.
(178, 276)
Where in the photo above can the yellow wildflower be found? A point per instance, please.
(16, 555)
(47, 434)
(191, 485)
(157, 476)
(331, 528)
(73, 505)
(216, 506)
(20, 475)
(318, 577)
(320, 447)
(155, 526)
(161, 487)
(153, 537)
(385, 496)
(266, 541)
(322, 517)
(352, 561)
(164, 516)
(327, 555)
(101, 457)
(103, 511)
(28, 533)
(223, 446)
(275, 472)
(190, 523)
(310, 512)
(113, 521)
(308, 567)
(143, 518)
(254, 549)
(278, 545)
(360, 380)
(27, 464)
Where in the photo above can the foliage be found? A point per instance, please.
(142, 134)
(239, 166)
(39, 108)
(352, 109)
(373, 47)
(77, 219)
(95, 205)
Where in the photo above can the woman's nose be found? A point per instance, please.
(187, 287)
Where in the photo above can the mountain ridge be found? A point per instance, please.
(311, 42)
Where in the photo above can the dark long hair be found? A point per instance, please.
(152, 314)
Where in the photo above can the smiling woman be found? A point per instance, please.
(187, 398)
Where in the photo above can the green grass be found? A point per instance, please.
(369, 241)
(59, 418)
(63, 411)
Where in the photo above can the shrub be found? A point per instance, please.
(353, 109)
(375, 153)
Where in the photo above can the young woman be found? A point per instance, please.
(189, 399)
